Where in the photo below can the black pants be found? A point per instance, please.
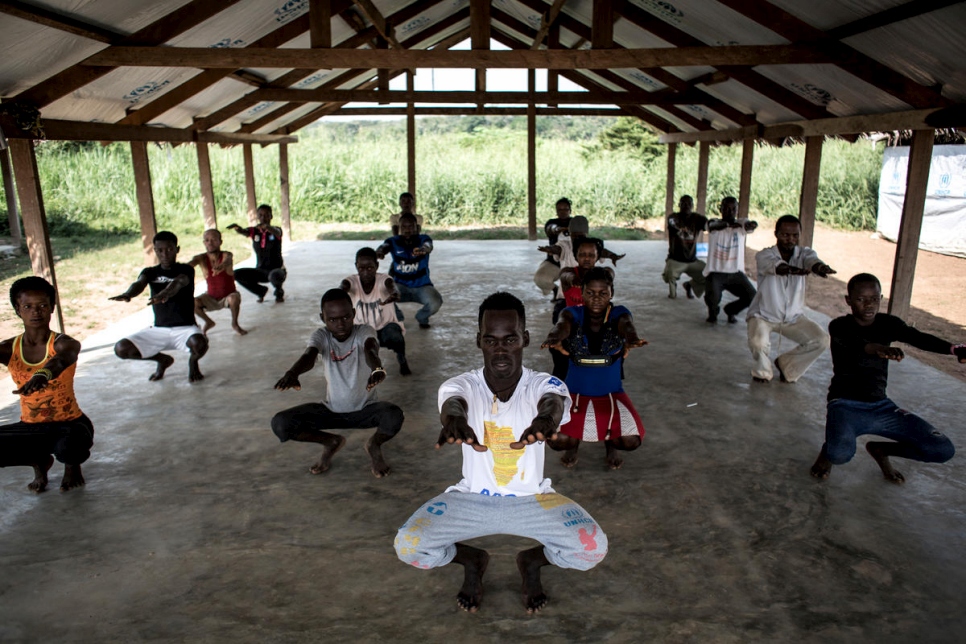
(69, 441)
(737, 284)
(288, 424)
(253, 278)
(392, 338)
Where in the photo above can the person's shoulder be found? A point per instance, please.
(619, 310)
(465, 383)
(64, 341)
(545, 382)
(423, 237)
(362, 332)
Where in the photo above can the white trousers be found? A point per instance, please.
(811, 338)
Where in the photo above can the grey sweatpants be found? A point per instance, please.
(570, 536)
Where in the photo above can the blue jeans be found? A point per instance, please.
(570, 536)
(848, 419)
(427, 295)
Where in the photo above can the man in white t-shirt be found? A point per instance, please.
(372, 295)
(725, 268)
(350, 355)
(501, 415)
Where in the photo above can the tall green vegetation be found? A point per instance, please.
(470, 171)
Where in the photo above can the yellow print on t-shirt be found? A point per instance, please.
(505, 458)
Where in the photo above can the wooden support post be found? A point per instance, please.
(532, 161)
(480, 38)
(553, 42)
(602, 25)
(284, 203)
(410, 137)
(672, 153)
(704, 153)
(34, 215)
(142, 185)
(249, 163)
(907, 246)
(809, 198)
(744, 189)
(320, 24)
(13, 215)
(207, 191)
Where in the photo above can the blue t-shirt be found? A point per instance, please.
(595, 381)
(407, 269)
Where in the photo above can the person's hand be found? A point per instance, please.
(631, 341)
(458, 431)
(890, 353)
(553, 340)
(960, 353)
(823, 270)
(288, 381)
(380, 255)
(541, 429)
(543, 249)
(157, 299)
(393, 297)
(120, 298)
(617, 257)
(36, 383)
(234, 227)
(751, 226)
(375, 377)
(419, 252)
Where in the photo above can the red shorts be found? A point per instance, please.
(597, 418)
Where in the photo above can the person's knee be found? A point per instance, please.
(280, 426)
(590, 549)
(435, 299)
(198, 345)
(234, 299)
(840, 453)
(940, 451)
(125, 350)
(629, 443)
(391, 420)
(199, 306)
(824, 340)
(562, 442)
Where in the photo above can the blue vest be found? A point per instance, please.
(406, 269)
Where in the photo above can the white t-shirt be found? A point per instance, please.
(346, 371)
(500, 470)
(781, 298)
(566, 258)
(368, 309)
(726, 250)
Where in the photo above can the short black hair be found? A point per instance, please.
(32, 283)
(407, 215)
(264, 206)
(165, 235)
(334, 295)
(588, 240)
(787, 219)
(503, 301)
(598, 273)
(562, 200)
(367, 252)
(863, 278)
(407, 194)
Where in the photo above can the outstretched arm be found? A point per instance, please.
(382, 250)
(750, 226)
(133, 290)
(392, 293)
(456, 428)
(376, 373)
(544, 426)
(553, 250)
(560, 331)
(305, 363)
(425, 249)
(168, 291)
(66, 349)
(626, 330)
(611, 255)
(238, 229)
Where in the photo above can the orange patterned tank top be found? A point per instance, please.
(56, 401)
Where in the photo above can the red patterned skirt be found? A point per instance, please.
(598, 418)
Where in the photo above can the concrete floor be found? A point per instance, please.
(197, 525)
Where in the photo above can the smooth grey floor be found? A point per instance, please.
(197, 525)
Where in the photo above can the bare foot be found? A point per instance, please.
(239, 330)
(379, 466)
(569, 458)
(614, 461)
(39, 484)
(529, 563)
(164, 362)
(822, 467)
(72, 478)
(759, 380)
(878, 452)
(474, 563)
(207, 326)
(194, 373)
(329, 449)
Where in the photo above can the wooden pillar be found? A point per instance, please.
(910, 226)
(672, 153)
(411, 136)
(480, 38)
(704, 153)
(249, 163)
(532, 160)
(13, 214)
(284, 203)
(207, 191)
(34, 216)
(553, 42)
(142, 185)
(744, 190)
(809, 198)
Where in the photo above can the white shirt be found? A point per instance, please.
(566, 259)
(726, 249)
(500, 470)
(781, 298)
(346, 371)
(368, 309)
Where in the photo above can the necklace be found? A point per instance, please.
(508, 391)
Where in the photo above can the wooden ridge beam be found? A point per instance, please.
(160, 31)
(466, 111)
(403, 96)
(59, 21)
(737, 56)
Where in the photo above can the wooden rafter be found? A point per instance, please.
(320, 24)
(849, 59)
(379, 21)
(59, 21)
(547, 20)
(158, 32)
(465, 111)
(899, 13)
(402, 96)
(741, 55)
(602, 27)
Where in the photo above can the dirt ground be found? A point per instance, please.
(938, 305)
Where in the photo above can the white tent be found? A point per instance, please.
(944, 218)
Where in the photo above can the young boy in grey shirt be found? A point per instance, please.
(350, 355)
